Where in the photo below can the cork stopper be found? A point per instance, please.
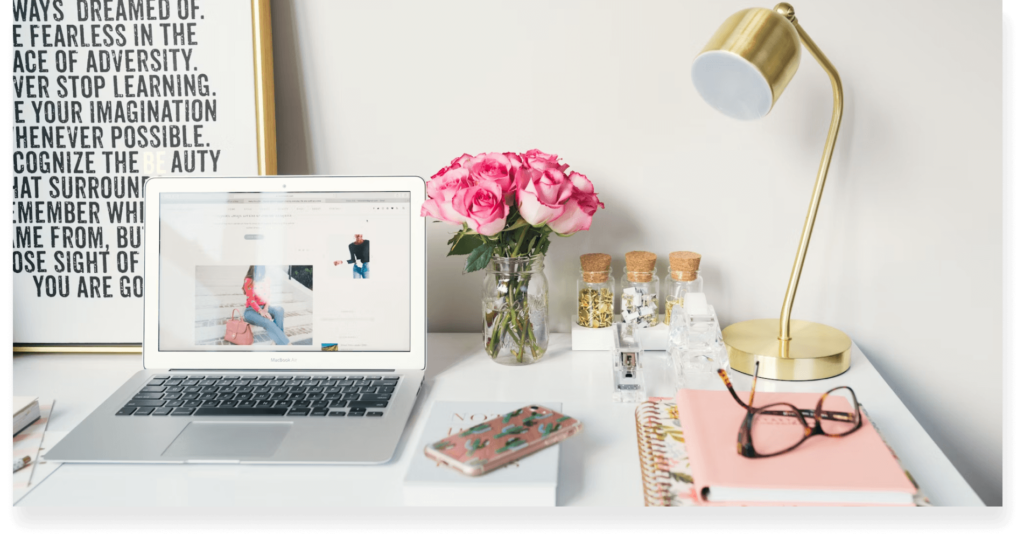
(595, 267)
(684, 265)
(640, 266)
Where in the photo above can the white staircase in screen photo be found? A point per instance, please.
(219, 291)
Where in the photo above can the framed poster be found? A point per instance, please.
(106, 95)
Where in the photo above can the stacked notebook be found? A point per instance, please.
(33, 441)
(704, 468)
(529, 482)
(26, 412)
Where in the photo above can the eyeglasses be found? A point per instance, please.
(779, 428)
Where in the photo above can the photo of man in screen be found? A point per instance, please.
(359, 257)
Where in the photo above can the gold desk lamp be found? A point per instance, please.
(742, 72)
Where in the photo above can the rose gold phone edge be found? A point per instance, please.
(475, 471)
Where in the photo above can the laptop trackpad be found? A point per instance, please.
(228, 440)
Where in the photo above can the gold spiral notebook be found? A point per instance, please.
(665, 464)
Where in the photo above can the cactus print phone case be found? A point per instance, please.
(495, 443)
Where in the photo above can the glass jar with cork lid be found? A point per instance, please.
(683, 277)
(639, 298)
(595, 291)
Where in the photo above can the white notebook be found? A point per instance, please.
(530, 482)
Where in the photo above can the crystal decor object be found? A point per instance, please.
(695, 346)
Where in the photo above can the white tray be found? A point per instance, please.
(587, 339)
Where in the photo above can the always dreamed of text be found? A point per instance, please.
(107, 93)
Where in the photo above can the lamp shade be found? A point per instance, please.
(748, 63)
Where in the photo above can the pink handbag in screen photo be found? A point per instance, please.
(238, 331)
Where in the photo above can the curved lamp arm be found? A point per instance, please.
(819, 185)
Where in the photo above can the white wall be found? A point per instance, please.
(906, 256)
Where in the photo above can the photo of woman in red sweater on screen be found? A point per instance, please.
(268, 294)
(260, 313)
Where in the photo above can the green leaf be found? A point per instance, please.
(465, 230)
(539, 243)
(529, 249)
(466, 244)
(478, 258)
(518, 223)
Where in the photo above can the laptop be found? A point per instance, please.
(273, 332)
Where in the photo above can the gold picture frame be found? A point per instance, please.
(266, 153)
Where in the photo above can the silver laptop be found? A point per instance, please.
(273, 332)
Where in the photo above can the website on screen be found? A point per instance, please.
(296, 271)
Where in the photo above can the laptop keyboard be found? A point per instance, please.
(251, 395)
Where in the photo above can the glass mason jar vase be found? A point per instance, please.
(515, 309)
(595, 295)
(639, 298)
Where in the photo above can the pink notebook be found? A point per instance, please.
(853, 470)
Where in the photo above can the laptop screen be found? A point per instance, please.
(288, 271)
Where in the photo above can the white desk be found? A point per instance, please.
(598, 468)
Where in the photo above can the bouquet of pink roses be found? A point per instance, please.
(508, 205)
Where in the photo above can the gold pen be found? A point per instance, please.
(20, 463)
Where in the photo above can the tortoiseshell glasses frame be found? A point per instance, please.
(745, 443)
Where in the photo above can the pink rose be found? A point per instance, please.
(579, 208)
(543, 161)
(517, 163)
(542, 194)
(456, 163)
(483, 206)
(493, 166)
(441, 190)
(516, 160)
(538, 155)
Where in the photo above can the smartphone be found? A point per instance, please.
(490, 445)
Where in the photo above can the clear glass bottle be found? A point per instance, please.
(639, 298)
(683, 277)
(595, 292)
(677, 290)
(515, 310)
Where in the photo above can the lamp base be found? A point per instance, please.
(815, 351)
